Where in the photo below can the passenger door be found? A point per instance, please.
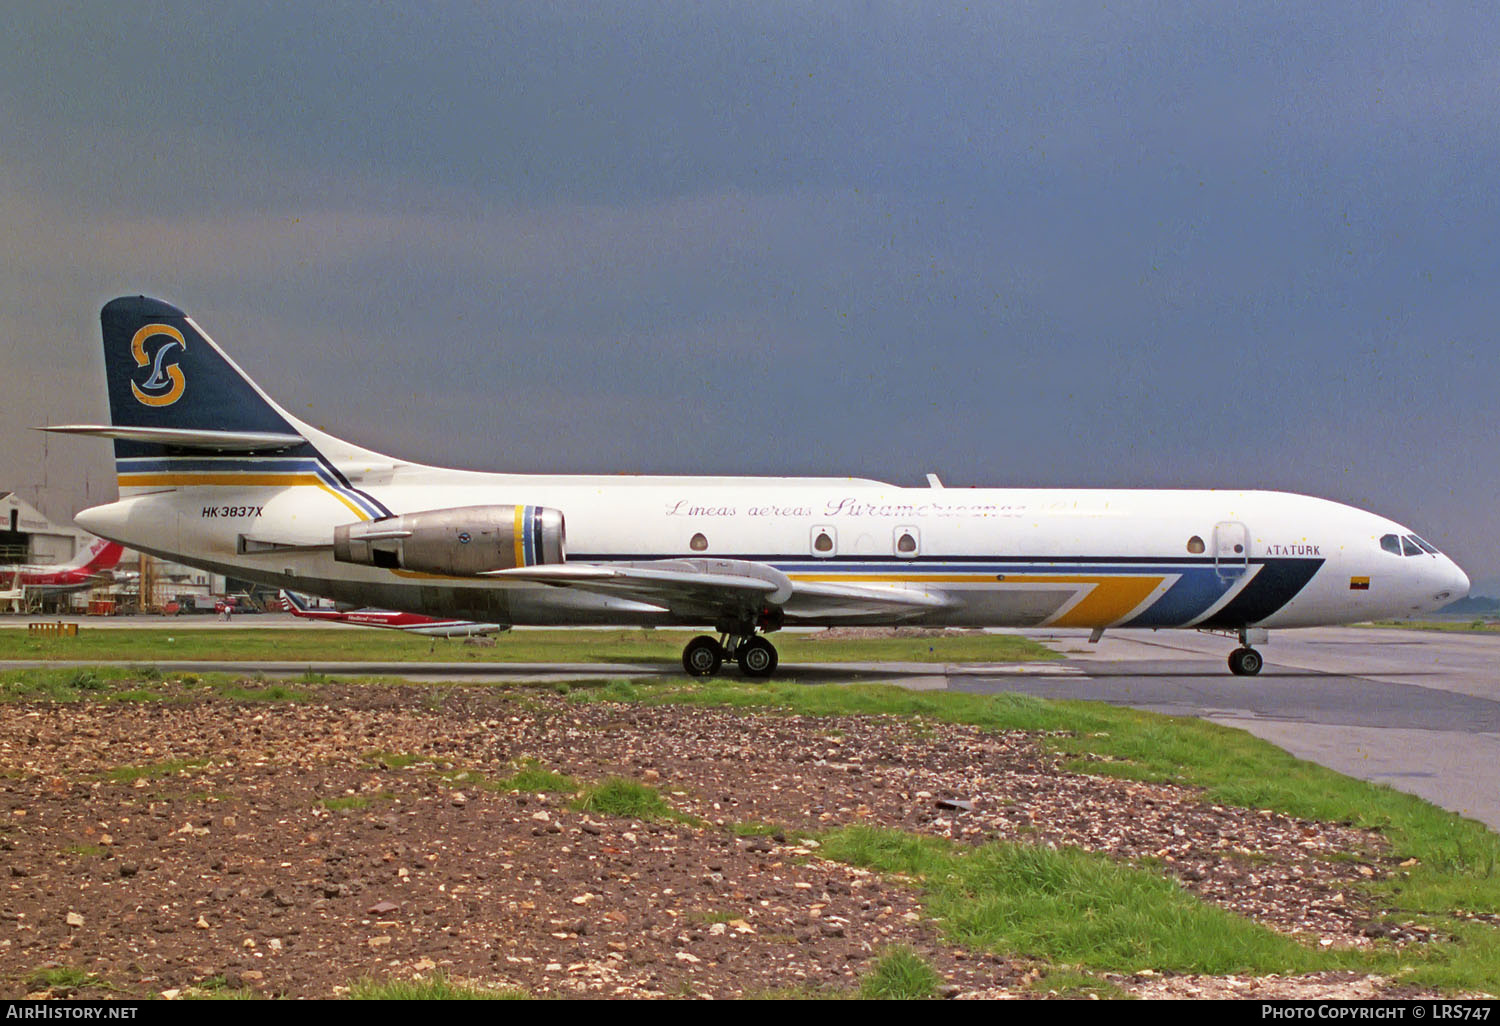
(1231, 550)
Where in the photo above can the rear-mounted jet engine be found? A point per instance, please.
(464, 541)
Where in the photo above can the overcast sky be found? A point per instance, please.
(1162, 244)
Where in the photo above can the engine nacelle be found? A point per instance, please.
(464, 541)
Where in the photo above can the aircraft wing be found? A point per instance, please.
(713, 590)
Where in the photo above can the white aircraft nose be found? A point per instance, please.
(1460, 582)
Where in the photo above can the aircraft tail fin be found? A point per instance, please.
(183, 413)
(295, 604)
(164, 373)
(101, 555)
(172, 390)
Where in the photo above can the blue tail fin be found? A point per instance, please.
(163, 372)
(182, 413)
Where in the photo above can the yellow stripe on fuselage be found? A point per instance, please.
(1109, 600)
(899, 578)
(519, 537)
(200, 480)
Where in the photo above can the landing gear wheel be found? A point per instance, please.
(702, 657)
(1245, 662)
(757, 657)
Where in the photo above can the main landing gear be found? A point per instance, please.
(704, 655)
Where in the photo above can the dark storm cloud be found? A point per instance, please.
(1155, 243)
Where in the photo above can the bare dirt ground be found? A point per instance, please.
(293, 847)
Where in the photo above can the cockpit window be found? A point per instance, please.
(1391, 544)
(1426, 546)
(1409, 547)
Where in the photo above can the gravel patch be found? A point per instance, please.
(291, 848)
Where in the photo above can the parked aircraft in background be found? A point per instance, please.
(82, 571)
(412, 623)
(215, 474)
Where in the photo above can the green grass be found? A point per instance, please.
(1478, 625)
(64, 978)
(123, 684)
(392, 760)
(533, 776)
(628, 799)
(1457, 868)
(1458, 859)
(354, 802)
(1072, 907)
(65, 684)
(241, 692)
(151, 771)
(216, 988)
(900, 974)
(1068, 982)
(90, 850)
(137, 695)
(431, 988)
(364, 645)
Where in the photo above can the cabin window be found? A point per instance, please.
(1195, 545)
(1409, 547)
(699, 543)
(1391, 544)
(907, 542)
(824, 541)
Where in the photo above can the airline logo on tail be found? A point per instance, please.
(166, 383)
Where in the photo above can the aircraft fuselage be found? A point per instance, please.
(995, 557)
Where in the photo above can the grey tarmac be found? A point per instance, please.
(1416, 710)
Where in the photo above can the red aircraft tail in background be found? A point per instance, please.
(412, 623)
(81, 571)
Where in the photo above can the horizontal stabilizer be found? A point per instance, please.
(186, 438)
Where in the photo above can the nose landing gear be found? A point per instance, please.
(1245, 661)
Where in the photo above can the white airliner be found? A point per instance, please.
(215, 474)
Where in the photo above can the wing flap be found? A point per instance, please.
(718, 589)
(705, 589)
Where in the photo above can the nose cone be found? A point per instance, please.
(1459, 581)
(1446, 583)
